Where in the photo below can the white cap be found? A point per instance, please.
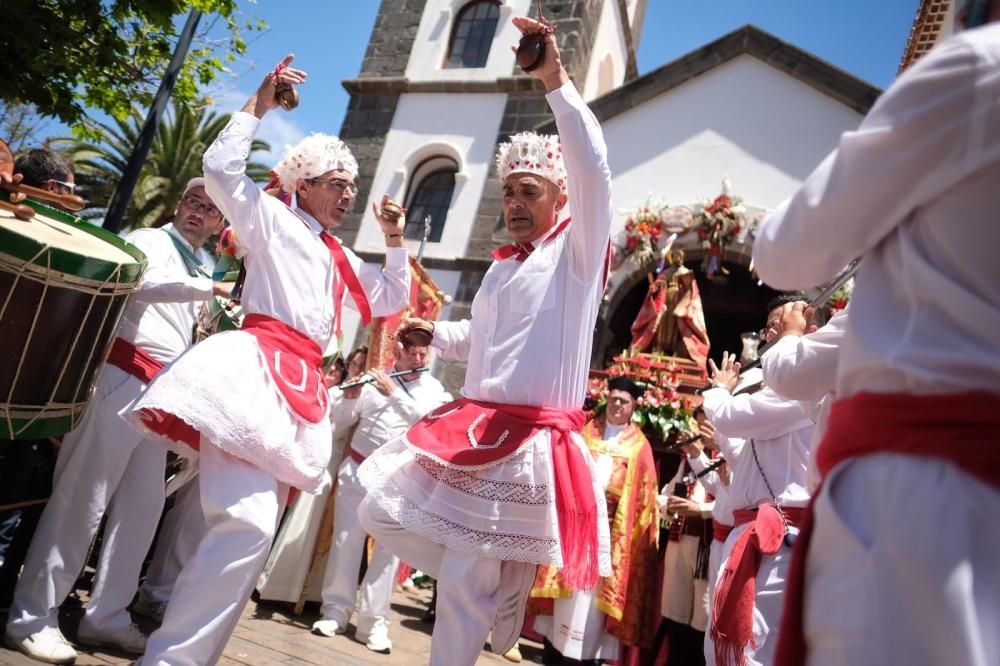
(312, 157)
(538, 154)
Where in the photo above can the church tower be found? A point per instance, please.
(438, 90)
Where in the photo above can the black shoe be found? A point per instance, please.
(428, 617)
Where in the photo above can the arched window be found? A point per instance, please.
(430, 196)
(472, 36)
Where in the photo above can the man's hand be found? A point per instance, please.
(409, 323)
(728, 375)
(707, 432)
(383, 383)
(693, 450)
(282, 75)
(13, 180)
(392, 228)
(224, 289)
(795, 319)
(550, 69)
(683, 506)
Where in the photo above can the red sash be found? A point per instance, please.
(732, 607)
(962, 428)
(133, 360)
(357, 457)
(720, 531)
(475, 434)
(295, 362)
(349, 279)
(521, 251)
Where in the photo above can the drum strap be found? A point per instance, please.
(192, 262)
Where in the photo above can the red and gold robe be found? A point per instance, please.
(628, 597)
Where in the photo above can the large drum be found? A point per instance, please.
(64, 285)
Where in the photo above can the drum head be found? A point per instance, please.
(54, 244)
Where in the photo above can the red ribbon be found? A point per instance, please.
(349, 279)
(521, 251)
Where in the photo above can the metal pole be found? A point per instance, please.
(123, 192)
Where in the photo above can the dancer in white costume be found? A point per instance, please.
(383, 410)
(913, 192)
(251, 404)
(105, 466)
(483, 490)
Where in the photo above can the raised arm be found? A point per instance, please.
(923, 135)
(585, 155)
(804, 367)
(762, 415)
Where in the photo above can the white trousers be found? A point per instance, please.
(714, 570)
(241, 505)
(182, 530)
(903, 566)
(684, 598)
(468, 592)
(340, 579)
(103, 461)
(768, 601)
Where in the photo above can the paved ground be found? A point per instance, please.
(271, 634)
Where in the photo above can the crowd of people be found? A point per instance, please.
(836, 506)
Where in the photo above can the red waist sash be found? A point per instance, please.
(475, 434)
(732, 608)
(962, 428)
(720, 531)
(295, 364)
(133, 360)
(357, 457)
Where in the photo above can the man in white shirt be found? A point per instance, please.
(383, 410)
(251, 404)
(768, 494)
(481, 491)
(106, 466)
(913, 192)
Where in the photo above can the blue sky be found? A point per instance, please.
(863, 37)
(329, 37)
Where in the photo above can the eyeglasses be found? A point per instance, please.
(71, 187)
(207, 209)
(338, 184)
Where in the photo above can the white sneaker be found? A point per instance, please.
(377, 639)
(127, 639)
(154, 610)
(516, 580)
(328, 628)
(48, 645)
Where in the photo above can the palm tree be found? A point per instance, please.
(173, 159)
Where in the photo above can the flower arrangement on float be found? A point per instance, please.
(718, 224)
(839, 299)
(645, 231)
(661, 411)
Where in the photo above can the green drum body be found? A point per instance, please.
(64, 285)
(218, 314)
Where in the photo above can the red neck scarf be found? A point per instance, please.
(522, 251)
(962, 428)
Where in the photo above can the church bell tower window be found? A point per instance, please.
(430, 196)
(475, 27)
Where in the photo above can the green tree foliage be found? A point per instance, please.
(65, 56)
(174, 158)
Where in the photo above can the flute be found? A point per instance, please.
(684, 442)
(368, 378)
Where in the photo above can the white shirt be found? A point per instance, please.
(914, 190)
(805, 368)
(160, 320)
(383, 418)
(780, 431)
(528, 341)
(290, 273)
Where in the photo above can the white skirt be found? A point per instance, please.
(505, 511)
(222, 388)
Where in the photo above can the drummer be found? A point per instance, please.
(105, 465)
(47, 170)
